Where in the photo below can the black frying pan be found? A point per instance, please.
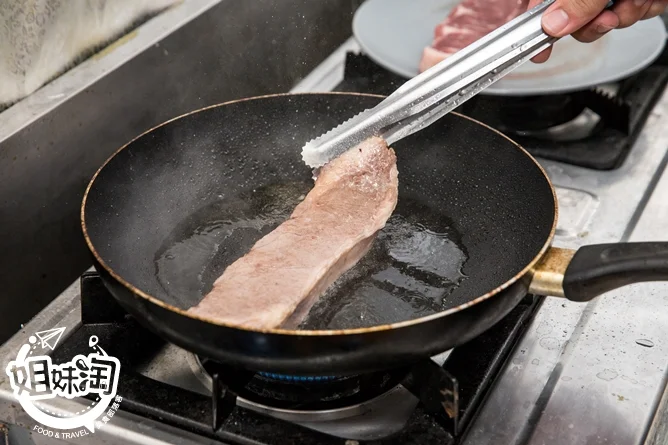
(469, 238)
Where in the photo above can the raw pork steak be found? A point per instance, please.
(466, 23)
(279, 280)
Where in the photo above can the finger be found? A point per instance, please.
(567, 16)
(542, 56)
(655, 10)
(630, 11)
(597, 28)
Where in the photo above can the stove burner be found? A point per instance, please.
(510, 113)
(411, 411)
(296, 378)
(274, 391)
(578, 129)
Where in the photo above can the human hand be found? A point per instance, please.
(588, 20)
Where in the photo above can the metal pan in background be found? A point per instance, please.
(394, 33)
(470, 236)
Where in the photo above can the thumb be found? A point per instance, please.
(567, 16)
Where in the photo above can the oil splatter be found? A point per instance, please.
(629, 379)
(550, 343)
(543, 328)
(607, 374)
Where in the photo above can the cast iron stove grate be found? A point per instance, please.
(524, 119)
(465, 377)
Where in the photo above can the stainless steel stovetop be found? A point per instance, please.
(582, 374)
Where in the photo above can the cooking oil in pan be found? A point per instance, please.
(412, 267)
(200, 248)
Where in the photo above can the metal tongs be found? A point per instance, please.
(429, 96)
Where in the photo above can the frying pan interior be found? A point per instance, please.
(176, 206)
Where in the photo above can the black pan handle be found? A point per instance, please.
(597, 269)
(590, 271)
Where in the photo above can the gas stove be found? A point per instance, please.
(432, 400)
(551, 372)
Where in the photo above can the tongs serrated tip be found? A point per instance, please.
(322, 149)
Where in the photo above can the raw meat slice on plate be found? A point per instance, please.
(466, 23)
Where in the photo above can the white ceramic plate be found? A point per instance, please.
(394, 33)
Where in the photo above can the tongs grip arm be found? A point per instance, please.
(429, 96)
(439, 90)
